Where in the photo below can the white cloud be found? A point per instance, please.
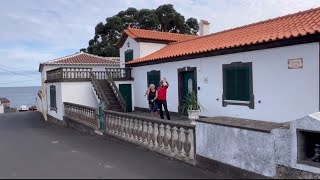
(33, 31)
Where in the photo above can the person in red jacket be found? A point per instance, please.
(162, 98)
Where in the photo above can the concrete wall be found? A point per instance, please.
(280, 90)
(308, 123)
(255, 151)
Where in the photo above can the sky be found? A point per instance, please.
(34, 31)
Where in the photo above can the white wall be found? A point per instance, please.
(59, 113)
(134, 46)
(140, 49)
(285, 94)
(149, 48)
(79, 93)
(1, 108)
(39, 104)
(72, 92)
(46, 102)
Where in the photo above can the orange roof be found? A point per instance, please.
(286, 27)
(153, 35)
(83, 59)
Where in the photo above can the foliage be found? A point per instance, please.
(165, 18)
(191, 103)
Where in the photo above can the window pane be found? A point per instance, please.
(128, 55)
(154, 78)
(230, 81)
(243, 86)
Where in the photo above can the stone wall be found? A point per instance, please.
(78, 126)
(250, 147)
(56, 121)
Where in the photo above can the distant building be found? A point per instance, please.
(5, 102)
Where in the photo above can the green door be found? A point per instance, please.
(188, 85)
(126, 92)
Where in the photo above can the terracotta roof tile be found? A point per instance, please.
(289, 26)
(153, 35)
(84, 58)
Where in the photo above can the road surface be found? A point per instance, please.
(31, 148)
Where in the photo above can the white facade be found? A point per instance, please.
(1, 108)
(72, 92)
(82, 91)
(285, 94)
(140, 49)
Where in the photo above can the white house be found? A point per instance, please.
(263, 71)
(256, 82)
(67, 79)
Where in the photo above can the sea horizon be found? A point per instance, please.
(20, 95)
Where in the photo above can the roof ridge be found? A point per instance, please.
(191, 35)
(77, 54)
(106, 58)
(250, 25)
(62, 58)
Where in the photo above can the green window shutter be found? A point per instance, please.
(128, 55)
(243, 86)
(237, 83)
(230, 84)
(153, 78)
(53, 101)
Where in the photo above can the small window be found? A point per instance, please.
(53, 98)
(237, 84)
(128, 55)
(153, 78)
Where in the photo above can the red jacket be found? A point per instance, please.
(162, 93)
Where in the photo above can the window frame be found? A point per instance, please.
(235, 65)
(126, 53)
(53, 104)
(153, 72)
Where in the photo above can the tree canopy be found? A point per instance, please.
(165, 18)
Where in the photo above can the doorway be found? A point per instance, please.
(187, 84)
(126, 92)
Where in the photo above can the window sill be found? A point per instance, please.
(237, 102)
(250, 104)
(53, 109)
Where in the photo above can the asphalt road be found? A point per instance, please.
(31, 148)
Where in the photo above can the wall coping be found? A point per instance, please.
(249, 124)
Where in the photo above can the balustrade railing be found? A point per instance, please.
(171, 138)
(55, 74)
(83, 74)
(85, 115)
(120, 73)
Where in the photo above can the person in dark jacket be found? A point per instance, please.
(152, 94)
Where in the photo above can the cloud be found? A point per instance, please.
(34, 31)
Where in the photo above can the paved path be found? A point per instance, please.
(30, 148)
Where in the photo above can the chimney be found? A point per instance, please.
(204, 28)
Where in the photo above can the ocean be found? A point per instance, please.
(20, 95)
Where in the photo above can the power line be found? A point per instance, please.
(18, 73)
